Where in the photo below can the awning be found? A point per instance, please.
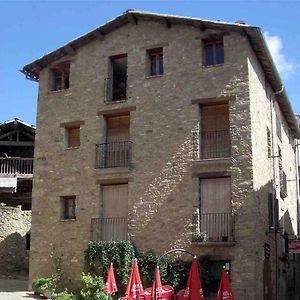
(8, 184)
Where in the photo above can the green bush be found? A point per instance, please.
(100, 254)
(92, 287)
(42, 283)
(62, 296)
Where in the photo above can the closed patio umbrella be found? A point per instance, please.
(225, 291)
(134, 289)
(157, 289)
(110, 286)
(193, 290)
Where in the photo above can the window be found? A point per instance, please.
(114, 212)
(282, 176)
(278, 128)
(61, 76)
(215, 209)
(27, 241)
(156, 62)
(269, 142)
(73, 137)
(68, 207)
(213, 52)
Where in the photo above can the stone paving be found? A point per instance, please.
(15, 289)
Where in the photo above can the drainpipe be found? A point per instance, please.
(274, 191)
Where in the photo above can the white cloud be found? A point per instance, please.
(284, 66)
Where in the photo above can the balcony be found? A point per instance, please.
(109, 229)
(115, 88)
(114, 154)
(211, 144)
(16, 166)
(213, 228)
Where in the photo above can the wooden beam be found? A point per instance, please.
(16, 144)
(201, 27)
(99, 35)
(168, 23)
(7, 134)
(132, 19)
(70, 50)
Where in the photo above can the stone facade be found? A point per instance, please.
(14, 225)
(163, 181)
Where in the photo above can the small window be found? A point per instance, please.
(68, 207)
(61, 76)
(213, 52)
(278, 128)
(156, 62)
(73, 137)
(27, 241)
(269, 141)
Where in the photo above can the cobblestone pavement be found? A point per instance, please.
(15, 289)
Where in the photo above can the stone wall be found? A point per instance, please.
(14, 224)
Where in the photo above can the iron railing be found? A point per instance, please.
(16, 165)
(114, 154)
(213, 227)
(109, 229)
(115, 88)
(211, 144)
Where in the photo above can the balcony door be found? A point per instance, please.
(115, 212)
(215, 208)
(214, 137)
(117, 152)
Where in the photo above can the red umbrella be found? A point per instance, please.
(157, 289)
(225, 292)
(134, 289)
(193, 289)
(110, 286)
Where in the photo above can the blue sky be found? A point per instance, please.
(29, 29)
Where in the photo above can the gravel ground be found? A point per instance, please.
(15, 289)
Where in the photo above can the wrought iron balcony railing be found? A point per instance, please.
(115, 88)
(109, 229)
(213, 227)
(114, 154)
(16, 165)
(211, 144)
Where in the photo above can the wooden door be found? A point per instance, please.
(215, 139)
(115, 212)
(215, 208)
(118, 144)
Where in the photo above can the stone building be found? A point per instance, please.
(172, 132)
(16, 172)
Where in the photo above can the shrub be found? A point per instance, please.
(92, 287)
(62, 296)
(42, 283)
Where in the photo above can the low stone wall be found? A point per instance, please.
(14, 224)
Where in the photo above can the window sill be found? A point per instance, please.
(68, 220)
(212, 66)
(59, 91)
(115, 101)
(72, 148)
(154, 76)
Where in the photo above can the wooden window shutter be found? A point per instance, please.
(73, 137)
(118, 128)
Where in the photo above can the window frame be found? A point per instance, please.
(213, 43)
(65, 207)
(158, 55)
(62, 71)
(68, 136)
